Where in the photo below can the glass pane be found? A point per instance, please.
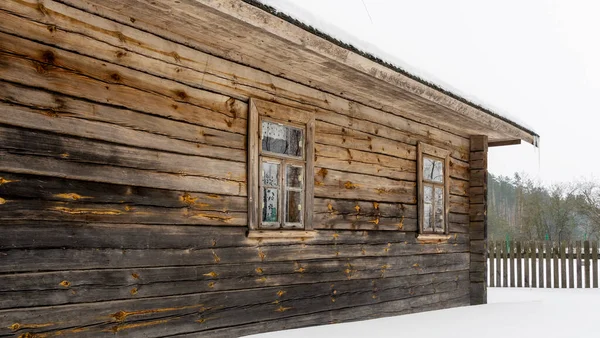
(294, 207)
(270, 205)
(439, 209)
(281, 139)
(293, 176)
(433, 170)
(427, 208)
(270, 174)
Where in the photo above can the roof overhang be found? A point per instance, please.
(251, 34)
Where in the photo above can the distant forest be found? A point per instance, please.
(519, 208)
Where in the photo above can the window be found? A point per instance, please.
(280, 161)
(433, 189)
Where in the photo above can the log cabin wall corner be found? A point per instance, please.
(124, 177)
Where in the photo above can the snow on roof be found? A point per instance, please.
(287, 10)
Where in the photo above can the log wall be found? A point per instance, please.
(123, 197)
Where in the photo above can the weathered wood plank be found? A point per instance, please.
(43, 289)
(571, 262)
(513, 275)
(59, 259)
(54, 121)
(492, 256)
(337, 184)
(563, 266)
(519, 264)
(17, 186)
(188, 62)
(534, 260)
(540, 255)
(549, 253)
(555, 263)
(18, 209)
(504, 264)
(499, 253)
(526, 258)
(30, 142)
(201, 311)
(62, 168)
(586, 263)
(54, 69)
(595, 264)
(417, 304)
(578, 249)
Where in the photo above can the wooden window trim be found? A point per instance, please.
(258, 109)
(427, 150)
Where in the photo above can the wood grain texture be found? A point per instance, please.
(125, 182)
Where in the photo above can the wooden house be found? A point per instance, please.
(191, 168)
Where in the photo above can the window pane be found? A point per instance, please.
(294, 176)
(433, 170)
(427, 208)
(294, 207)
(270, 205)
(270, 174)
(439, 209)
(281, 139)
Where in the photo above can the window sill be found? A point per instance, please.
(299, 234)
(433, 238)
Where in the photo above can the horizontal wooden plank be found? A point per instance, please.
(437, 301)
(341, 185)
(18, 209)
(17, 186)
(16, 260)
(213, 310)
(75, 74)
(104, 285)
(52, 104)
(54, 121)
(47, 166)
(190, 64)
(30, 142)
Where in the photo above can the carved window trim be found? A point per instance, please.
(259, 111)
(426, 151)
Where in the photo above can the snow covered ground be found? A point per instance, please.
(510, 312)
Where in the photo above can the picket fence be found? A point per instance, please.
(542, 264)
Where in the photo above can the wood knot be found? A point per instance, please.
(135, 275)
(181, 94)
(65, 283)
(51, 28)
(119, 316)
(115, 77)
(48, 57)
(134, 291)
(15, 326)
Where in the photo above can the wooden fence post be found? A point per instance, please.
(504, 264)
(498, 264)
(563, 266)
(578, 262)
(491, 256)
(534, 277)
(586, 262)
(571, 265)
(527, 252)
(595, 263)
(519, 265)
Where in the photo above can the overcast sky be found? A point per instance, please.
(537, 60)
